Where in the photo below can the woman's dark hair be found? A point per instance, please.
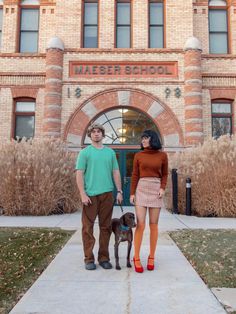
(154, 139)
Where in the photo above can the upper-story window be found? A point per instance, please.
(24, 118)
(29, 30)
(90, 35)
(1, 11)
(123, 24)
(218, 26)
(29, 26)
(30, 2)
(221, 118)
(156, 24)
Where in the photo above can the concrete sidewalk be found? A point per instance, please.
(65, 287)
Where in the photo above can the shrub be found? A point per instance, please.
(212, 169)
(37, 178)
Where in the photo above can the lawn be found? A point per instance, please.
(212, 253)
(24, 254)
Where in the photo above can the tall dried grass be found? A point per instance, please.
(37, 178)
(212, 169)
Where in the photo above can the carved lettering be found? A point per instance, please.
(147, 69)
(79, 69)
(152, 70)
(94, 69)
(87, 70)
(128, 70)
(117, 69)
(102, 70)
(160, 70)
(144, 70)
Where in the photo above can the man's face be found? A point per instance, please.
(96, 135)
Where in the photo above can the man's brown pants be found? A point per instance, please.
(101, 206)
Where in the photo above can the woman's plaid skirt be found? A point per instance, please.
(147, 192)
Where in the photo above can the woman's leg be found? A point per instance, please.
(138, 235)
(154, 214)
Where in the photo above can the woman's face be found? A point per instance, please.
(145, 141)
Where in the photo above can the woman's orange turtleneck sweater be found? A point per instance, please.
(149, 163)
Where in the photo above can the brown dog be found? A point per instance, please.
(122, 229)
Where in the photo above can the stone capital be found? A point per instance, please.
(193, 43)
(55, 43)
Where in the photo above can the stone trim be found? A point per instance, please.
(166, 120)
(18, 92)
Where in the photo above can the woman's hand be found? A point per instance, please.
(161, 193)
(132, 199)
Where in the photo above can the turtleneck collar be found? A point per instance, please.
(149, 150)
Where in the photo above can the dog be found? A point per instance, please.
(122, 229)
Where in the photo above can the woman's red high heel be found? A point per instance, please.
(150, 266)
(138, 269)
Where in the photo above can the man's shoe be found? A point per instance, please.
(90, 266)
(105, 265)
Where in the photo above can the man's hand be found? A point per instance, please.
(85, 199)
(161, 193)
(132, 199)
(119, 198)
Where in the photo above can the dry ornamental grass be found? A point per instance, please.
(212, 169)
(37, 178)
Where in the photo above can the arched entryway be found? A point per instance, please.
(123, 128)
(163, 117)
(125, 114)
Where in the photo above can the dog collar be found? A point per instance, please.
(124, 228)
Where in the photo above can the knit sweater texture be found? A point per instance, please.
(149, 163)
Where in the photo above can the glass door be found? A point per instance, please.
(125, 160)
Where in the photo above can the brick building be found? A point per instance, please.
(167, 65)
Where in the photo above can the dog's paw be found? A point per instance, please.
(118, 267)
(129, 265)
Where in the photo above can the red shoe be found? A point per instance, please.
(150, 266)
(138, 269)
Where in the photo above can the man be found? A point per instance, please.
(96, 168)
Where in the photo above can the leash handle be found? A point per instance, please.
(122, 210)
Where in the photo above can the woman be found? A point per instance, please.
(149, 177)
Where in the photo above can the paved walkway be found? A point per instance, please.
(65, 287)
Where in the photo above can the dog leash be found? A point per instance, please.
(122, 210)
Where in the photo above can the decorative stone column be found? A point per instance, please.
(193, 92)
(53, 88)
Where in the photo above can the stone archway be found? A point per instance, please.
(167, 123)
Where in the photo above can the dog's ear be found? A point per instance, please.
(122, 220)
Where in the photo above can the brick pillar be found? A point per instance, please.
(193, 92)
(53, 88)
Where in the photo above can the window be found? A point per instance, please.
(221, 118)
(124, 126)
(123, 24)
(90, 28)
(1, 11)
(218, 26)
(24, 119)
(29, 30)
(156, 24)
(30, 2)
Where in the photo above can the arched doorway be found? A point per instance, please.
(123, 128)
(151, 112)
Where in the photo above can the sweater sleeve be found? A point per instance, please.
(164, 172)
(135, 175)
